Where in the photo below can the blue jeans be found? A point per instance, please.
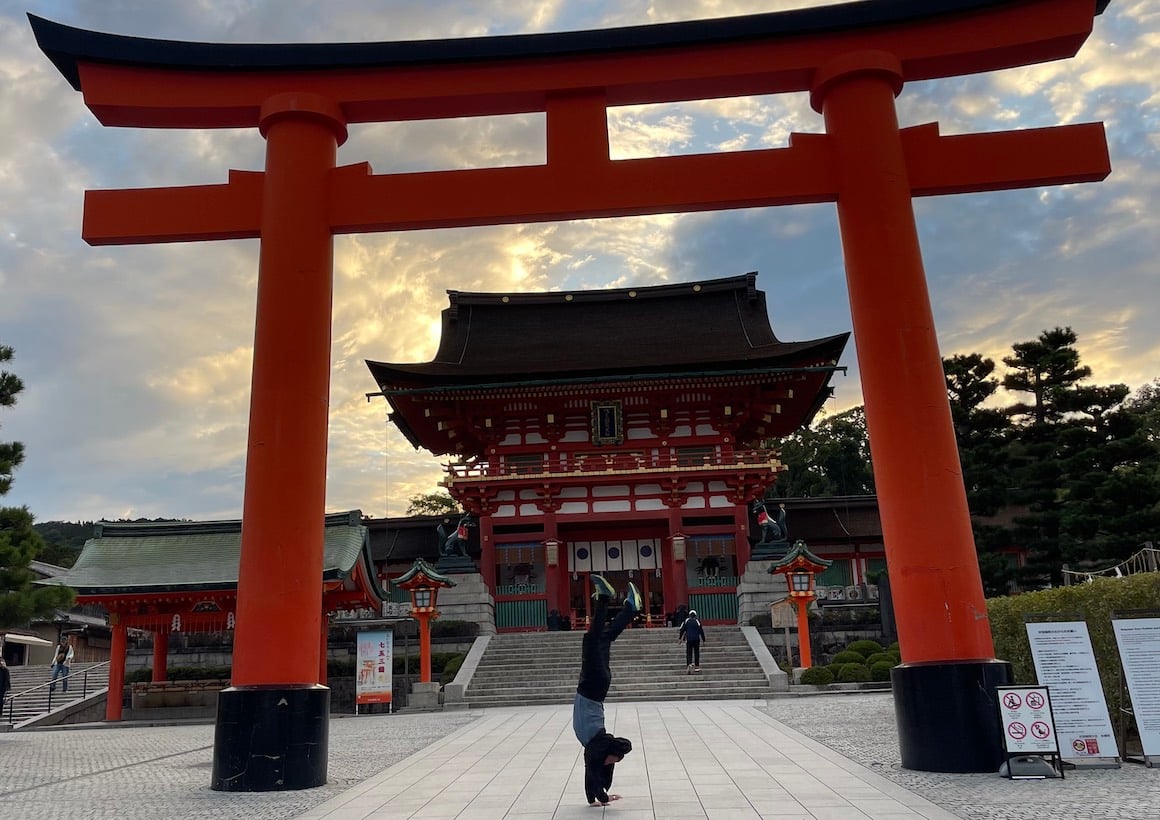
(59, 670)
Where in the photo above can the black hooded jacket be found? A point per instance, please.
(598, 774)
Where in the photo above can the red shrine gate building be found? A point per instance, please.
(621, 431)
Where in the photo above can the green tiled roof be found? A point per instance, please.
(124, 558)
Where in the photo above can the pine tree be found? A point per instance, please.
(20, 599)
(831, 458)
(1047, 368)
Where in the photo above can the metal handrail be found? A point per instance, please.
(84, 674)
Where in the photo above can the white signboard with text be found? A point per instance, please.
(1064, 661)
(372, 682)
(1028, 727)
(1139, 642)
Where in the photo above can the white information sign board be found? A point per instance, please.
(373, 683)
(1064, 661)
(1028, 727)
(1139, 642)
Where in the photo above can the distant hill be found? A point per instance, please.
(64, 539)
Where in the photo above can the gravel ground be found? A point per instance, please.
(862, 727)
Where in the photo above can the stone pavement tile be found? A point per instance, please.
(879, 808)
(691, 810)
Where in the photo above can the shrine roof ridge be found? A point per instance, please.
(745, 281)
(67, 46)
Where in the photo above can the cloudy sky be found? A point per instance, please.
(136, 360)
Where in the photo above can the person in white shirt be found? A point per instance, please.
(61, 660)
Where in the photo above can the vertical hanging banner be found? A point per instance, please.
(1063, 657)
(1138, 640)
(375, 659)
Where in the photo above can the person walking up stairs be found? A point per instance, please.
(692, 633)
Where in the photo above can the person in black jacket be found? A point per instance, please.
(5, 682)
(602, 751)
(692, 633)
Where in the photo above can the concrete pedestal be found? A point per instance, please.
(757, 590)
(469, 600)
(424, 696)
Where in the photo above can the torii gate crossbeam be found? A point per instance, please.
(852, 59)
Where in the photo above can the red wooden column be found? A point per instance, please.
(276, 648)
(117, 653)
(554, 585)
(741, 536)
(487, 552)
(942, 625)
(160, 655)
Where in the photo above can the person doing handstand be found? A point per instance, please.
(602, 751)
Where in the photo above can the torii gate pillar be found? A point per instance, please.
(273, 721)
(911, 435)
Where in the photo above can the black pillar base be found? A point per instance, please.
(948, 715)
(271, 738)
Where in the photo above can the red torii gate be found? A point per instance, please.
(852, 59)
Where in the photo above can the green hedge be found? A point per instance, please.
(865, 648)
(817, 676)
(880, 671)
(145, 675)
(1095, 602)
(847, 656)
(853, 673)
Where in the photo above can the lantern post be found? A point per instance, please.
(799, 565)
(423, 582)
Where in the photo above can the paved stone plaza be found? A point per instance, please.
(825, 757)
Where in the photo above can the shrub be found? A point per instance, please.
(893, 648)
(865, 648)
(451, 669)
(881, 657)
(145, 675)
(817, 676)
(761, 621)
(1097, 601)
(881, 670)
(848, 656)
(853, 673)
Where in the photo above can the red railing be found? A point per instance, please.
(613, 462)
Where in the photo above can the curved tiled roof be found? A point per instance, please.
(692, 327)
(137, 558)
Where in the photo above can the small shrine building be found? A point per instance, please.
(177, 577)
(622, 432)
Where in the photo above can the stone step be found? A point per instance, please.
(736, 693)
(33, 703)
(717, 671)
(647, 664)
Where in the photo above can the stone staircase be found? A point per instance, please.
(37, 701)
(533, 668)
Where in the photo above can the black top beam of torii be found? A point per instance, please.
(66, 45)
